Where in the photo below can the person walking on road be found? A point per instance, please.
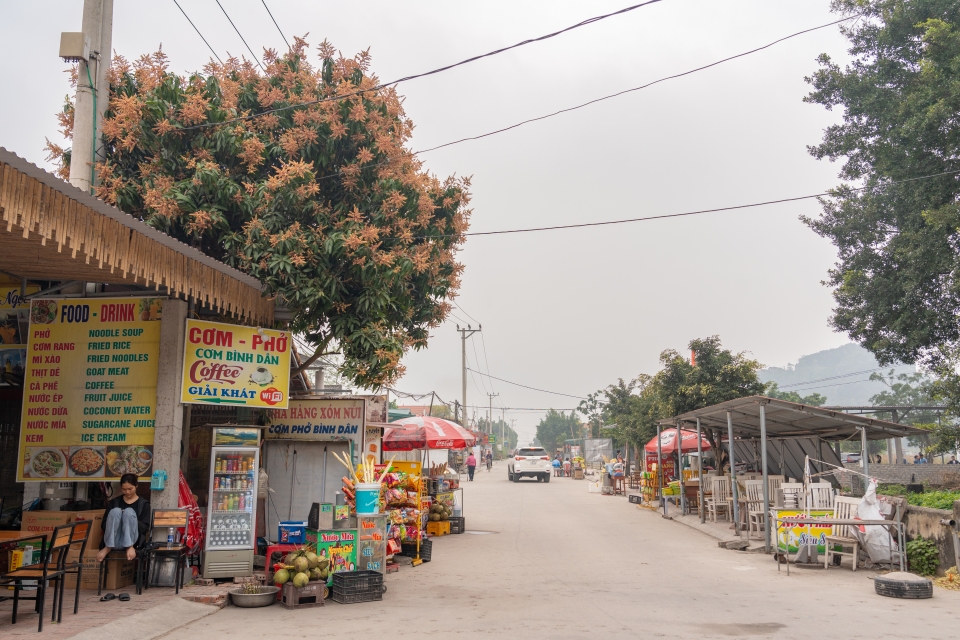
(489, 460)
(471, 465)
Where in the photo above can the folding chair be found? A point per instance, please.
(50, 569)
(166, 519)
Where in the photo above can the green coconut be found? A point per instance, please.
(301, 580)
(323, 563)
(291, 557)
(281, 577)
(313, 559)
(301, 564)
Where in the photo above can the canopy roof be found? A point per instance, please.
(53, 231)
(789, 420)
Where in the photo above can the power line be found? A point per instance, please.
(845, 375)
(255, 59)
(613, 95)
(680, 215)
(557, 393)
(824, 386)
(473, 343)
(384, 85)
(467, 314)
(626, 91)
(275, 23)
(198, 31)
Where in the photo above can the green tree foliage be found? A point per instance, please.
(635, 407)
(557, 426)
(897, 280)
(321, 201)
(772, 390)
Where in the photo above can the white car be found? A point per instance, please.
(532, 462)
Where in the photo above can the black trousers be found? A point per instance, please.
(470, 471)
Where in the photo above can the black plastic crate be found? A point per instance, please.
(458, 525)
(357, 586)
(409, 549)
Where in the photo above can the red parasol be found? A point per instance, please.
(668, 442)
(426, 432)
(193, 536)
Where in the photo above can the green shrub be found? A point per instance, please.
(892, 489)
(922, 556)
(934, 499)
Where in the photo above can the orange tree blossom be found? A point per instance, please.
(321, 201)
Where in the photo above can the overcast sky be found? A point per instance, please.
(568, 311)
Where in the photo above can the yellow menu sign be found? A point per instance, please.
(90, 388)
(235, 365)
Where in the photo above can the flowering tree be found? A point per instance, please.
(300, 177)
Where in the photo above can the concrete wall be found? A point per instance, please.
(937, 475)
(923, 521)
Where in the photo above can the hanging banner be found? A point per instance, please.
(235, 365)
(319, 419)
(90, 388)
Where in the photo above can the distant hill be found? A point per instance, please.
(807, 375)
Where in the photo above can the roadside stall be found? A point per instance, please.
(423, 434)
(663, 457)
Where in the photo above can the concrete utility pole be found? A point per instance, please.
(464, 334)
(93, 93)
(490, 412)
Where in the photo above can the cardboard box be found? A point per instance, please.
(43, 522)
(89, 576)
(119, 574)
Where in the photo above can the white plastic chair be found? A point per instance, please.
(755, 507)
(721, 497)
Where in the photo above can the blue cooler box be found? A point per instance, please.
(292, 532)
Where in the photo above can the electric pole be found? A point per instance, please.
(490, 413)
(93, 90)
(464, 334)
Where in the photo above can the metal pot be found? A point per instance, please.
(266, 597)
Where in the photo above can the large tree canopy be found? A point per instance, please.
(320, 199)
(897, 281)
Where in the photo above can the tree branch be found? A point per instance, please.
(317, 353)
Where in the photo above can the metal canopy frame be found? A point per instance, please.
(761, 418)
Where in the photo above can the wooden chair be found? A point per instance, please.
(842, 535)
(756, 507)
(635, 479)
(821, 495)
(48, 570)
(720, 497)
(74, 561)
(774, 483)
(162, 520)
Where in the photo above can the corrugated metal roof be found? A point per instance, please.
(789, 420)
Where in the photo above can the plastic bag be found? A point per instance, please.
(876, 541)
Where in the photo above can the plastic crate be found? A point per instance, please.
(438, 528)
(458, 524)
(409, 549)
(350, 587)
(635, 498)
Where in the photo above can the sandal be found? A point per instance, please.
(107, 597)
(124, 597)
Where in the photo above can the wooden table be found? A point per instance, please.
(841, 521)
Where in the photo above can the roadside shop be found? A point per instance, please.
(94, 308)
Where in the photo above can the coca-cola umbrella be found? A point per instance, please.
(426, 432)
(668, 442)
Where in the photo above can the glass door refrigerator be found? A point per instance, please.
(231, 509)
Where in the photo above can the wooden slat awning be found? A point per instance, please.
(53, 231)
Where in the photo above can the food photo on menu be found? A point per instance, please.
(44, 462)
(136, 459)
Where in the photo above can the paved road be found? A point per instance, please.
(562, 563)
